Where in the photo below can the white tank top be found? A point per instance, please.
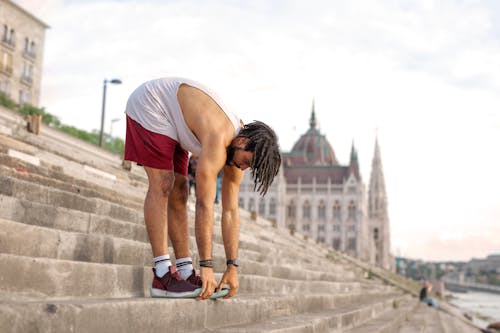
(154, 105)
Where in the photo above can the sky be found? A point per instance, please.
(422, 76)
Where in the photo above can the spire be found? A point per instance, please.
(312, 121)
(354, 164)
(377, 210)
(377, 194)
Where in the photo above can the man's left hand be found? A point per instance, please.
(230, 278)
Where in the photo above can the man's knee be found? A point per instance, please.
(163, 183)
(180, 192)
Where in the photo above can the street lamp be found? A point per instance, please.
(113, 81)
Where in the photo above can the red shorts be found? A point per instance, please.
(153, 149)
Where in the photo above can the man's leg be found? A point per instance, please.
(177, 216)
(178, 229)
(155, 208)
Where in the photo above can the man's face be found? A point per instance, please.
(239, 157)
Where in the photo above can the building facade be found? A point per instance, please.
(21, 53)
(316, 196)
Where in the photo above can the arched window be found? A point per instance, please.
(291, 210)
(251, 205)
(272, 207)
(337, 214)
(322, 211)
(306, 210)
(352, 211)
(262, 207)
(12, 37)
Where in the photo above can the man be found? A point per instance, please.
(166, 118)
(424, 297)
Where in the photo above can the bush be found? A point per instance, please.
(7, 101)
(28, 109)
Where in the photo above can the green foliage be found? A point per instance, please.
(6, 101)
(114, 145)
(28, 109)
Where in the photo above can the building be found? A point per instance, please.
(317, 196)
(23, 37)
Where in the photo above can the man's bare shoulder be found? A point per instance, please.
(204, 116)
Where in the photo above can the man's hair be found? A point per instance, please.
(263, 142)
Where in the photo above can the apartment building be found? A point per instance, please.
(21, 53)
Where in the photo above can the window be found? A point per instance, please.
(306, 227)
(306, 210)
(375, 234)
(262, 207)
(336, 227)
(322, 211)
(351, 244)
(24, 97)
(321, 228)
(272, 207)
(241, 203)
(251, 205)
(352, 211)
(351, 228)
(6, 63)
(321, 239)
(337, 216)
(291, 210)
(336, 243)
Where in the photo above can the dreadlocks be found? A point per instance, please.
(263, 142)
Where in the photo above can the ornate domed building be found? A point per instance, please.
(316, 196)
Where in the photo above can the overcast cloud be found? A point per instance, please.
(426, 74)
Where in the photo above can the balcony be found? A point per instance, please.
(30, 55)
(27, 80)
(9, 43)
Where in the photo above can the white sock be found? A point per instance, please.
(162, 263)
(184, 267)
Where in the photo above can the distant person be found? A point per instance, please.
(166, 118)
(193, 160)
(424, 295)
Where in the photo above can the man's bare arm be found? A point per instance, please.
(230, 225)
(210, 161)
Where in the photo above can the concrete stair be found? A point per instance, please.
(75, 257)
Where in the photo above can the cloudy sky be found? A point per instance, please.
(424, 75)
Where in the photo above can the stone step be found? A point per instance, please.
(54, 179)
(389, 322)
(160, 315)
(42, 194)
(51, 277)
(19, 154)
(450, 324)
(338, 319)
(45, 215)
(422, 319)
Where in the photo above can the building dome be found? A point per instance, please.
(312, 148)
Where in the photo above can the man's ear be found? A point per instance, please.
(241, 142)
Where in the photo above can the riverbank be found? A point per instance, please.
(485, 307)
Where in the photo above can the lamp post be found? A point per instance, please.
(113, 81)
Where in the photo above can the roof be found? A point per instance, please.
(312, 148)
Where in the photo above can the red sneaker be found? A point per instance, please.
(171, 285)
(196, 280)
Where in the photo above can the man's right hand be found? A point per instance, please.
(209, 283)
